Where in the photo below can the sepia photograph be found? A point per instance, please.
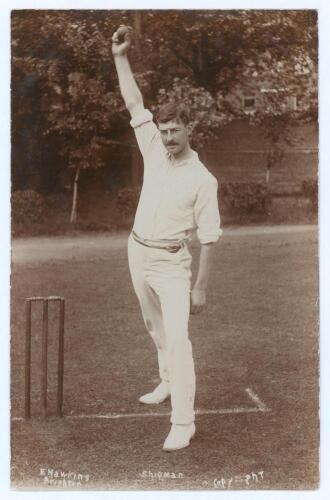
(164, 268)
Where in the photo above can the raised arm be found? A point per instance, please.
(121, 42)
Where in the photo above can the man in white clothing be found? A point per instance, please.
(179, 196)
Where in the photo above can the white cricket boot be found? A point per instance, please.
(158, 395)
(179, 437)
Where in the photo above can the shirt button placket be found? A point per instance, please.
(161, 196)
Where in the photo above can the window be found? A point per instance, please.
(249, 103)
(292, 102)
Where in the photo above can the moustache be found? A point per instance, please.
(171, 144)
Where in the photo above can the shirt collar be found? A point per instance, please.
(192, 156)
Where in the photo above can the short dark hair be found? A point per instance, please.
(172, 111)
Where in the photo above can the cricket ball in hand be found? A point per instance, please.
(122, 32)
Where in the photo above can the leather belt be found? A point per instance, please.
(172, 247)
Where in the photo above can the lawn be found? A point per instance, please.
(259, 332)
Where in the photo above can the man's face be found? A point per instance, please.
(175, 136)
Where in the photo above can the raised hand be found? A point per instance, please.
(122, 40)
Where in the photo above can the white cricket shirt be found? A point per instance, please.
(177, 197)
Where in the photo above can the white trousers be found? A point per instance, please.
(161, 281)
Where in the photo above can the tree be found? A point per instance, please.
(211, 47)
(205, 58)
(272, 55)
(76, 93)
(285, 95)
(207, 115)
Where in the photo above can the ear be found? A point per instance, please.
(190, 127)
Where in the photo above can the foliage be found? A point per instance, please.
(211, 53)
(77, 98)
(309, 188)
(126, 203)
(271, 55)
(27, 206)
(283, 81)
(65, 87)
(245, 197)
(212, 46)
(207, 115)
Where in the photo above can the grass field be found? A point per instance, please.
(260, 332)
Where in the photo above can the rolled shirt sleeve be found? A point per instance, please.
(146, 132)
(206, 211)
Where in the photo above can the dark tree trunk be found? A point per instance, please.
(73, 217)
